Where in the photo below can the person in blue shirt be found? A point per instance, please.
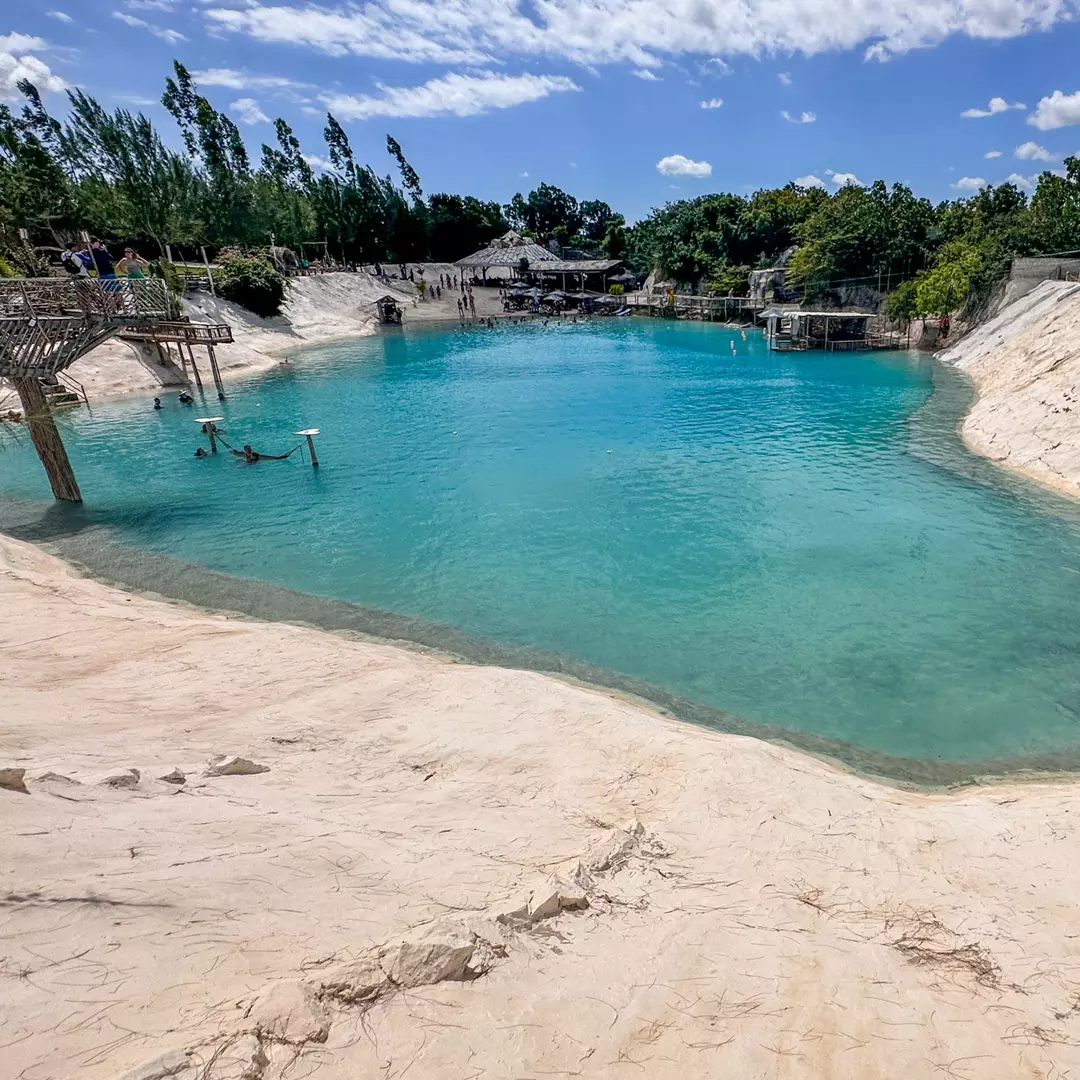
(102, 259)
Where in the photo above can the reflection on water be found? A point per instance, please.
(792, 545)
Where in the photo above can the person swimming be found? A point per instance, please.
(200, 452)
(185, 398)
(157, 403)
(252, 456)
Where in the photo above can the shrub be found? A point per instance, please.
(252, 283)
(616, 290)
(902, 302)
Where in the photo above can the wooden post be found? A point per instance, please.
(307, 433)
(208, 423)
(194, 368)
(209, 275)
(215, 372)
(46, 439)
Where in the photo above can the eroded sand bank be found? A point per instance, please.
(380, 901)
(1025, 364)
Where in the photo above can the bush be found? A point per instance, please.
(252, 283)
(616, 290)
(946, 288)
(902, 303)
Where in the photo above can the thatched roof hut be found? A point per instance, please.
(508, 250)
(388, 311)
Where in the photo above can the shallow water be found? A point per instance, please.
(798, 540)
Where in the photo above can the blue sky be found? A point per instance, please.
(601, 97)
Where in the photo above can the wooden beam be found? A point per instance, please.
(46, 439)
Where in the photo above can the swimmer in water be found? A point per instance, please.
(157, 403)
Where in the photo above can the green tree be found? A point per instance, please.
(409, 176)
(947, 286)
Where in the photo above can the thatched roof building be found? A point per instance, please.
(508, 250)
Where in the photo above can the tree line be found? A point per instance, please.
(111, 174)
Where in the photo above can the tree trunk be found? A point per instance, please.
(46, 439)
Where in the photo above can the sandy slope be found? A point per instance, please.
(338, 916)
(319, 309)
(1026, 367)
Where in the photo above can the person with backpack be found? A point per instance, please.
(77, 263)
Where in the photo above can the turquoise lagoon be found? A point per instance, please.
(791, 545)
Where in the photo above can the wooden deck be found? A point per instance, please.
(184, 333)
(46, 324)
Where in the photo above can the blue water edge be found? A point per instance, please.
(799, 540)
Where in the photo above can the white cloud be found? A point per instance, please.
(712, 103)
(1056, 111)
(458, 95)
(610, 31)
(970, 183)
(996, 105)
(785, 78)
(315, 161)
(60, 16)
(809, 181)
(17, 62)
(716, 65)
(249, 112)
(173, 37)
(647, 75)
(1025, 183)
(843, 179)
(21, 43)
(241, 80)
(523, 175)
(151, 5)
(678, 165)
(990, 154)
(1032, 151)
(802, 118)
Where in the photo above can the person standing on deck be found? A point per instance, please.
(132, 265)
(103, 261)
(472, 305)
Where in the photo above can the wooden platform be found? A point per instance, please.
(46, 324)
(184, 333)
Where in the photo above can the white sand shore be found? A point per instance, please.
(338, 916)
(319, 309)
(1025, 364)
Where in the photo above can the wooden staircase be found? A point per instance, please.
(46, 324)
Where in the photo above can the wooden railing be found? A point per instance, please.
(92, 299)
(185, 332)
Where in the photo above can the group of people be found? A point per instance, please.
(466, 305)
(183, 397)
(79, 263)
